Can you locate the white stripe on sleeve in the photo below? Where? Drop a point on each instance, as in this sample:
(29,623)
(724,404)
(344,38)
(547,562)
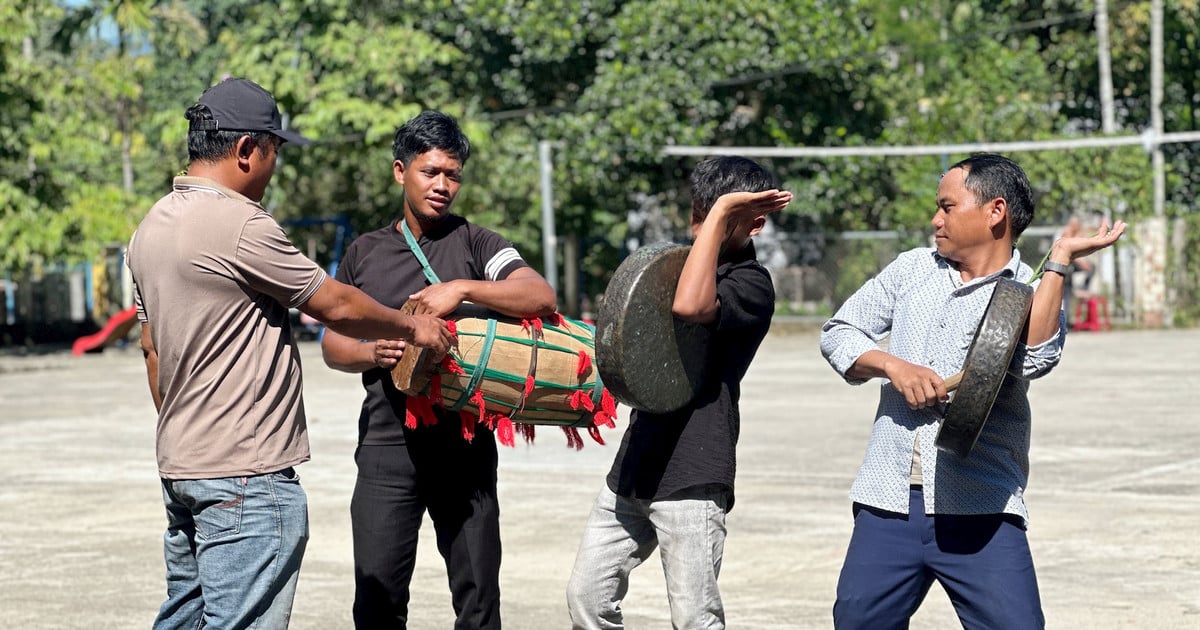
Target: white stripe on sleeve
(499,262)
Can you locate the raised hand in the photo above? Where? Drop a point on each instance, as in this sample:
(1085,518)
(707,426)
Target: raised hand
(750,205)
(1078,246)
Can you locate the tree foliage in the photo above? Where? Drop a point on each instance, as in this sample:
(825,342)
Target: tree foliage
(91,127)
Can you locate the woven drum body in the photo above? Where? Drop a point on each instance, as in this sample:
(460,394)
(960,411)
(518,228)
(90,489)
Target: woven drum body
(498,355)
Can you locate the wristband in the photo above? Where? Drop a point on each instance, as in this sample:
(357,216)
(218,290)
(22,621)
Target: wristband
(1057,268)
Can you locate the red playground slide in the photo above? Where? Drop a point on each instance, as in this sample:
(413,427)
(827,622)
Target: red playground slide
(117,327)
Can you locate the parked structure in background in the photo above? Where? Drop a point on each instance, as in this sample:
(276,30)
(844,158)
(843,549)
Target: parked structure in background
(56,303)
(62,303)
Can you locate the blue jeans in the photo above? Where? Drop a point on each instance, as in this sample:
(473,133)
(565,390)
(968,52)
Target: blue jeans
(983,563)
(622,532)
(233,548)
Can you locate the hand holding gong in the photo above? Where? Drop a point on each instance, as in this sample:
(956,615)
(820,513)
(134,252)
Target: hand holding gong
(985,367)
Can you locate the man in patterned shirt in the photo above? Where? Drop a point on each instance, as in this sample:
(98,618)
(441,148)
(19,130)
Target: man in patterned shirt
(921,514)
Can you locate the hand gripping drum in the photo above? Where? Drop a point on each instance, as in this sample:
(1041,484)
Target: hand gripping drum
(647,358)
(985,367)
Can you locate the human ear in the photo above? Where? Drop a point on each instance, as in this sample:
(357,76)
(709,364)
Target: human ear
(998,212)
(246,147)
(398,171)
(757,225)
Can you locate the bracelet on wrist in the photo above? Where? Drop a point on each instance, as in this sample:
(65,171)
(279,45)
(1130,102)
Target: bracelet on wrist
(1056,267)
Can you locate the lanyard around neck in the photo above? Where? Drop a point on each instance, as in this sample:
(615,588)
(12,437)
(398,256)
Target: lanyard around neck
(416,250)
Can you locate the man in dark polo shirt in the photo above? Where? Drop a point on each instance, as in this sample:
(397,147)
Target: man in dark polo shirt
(214,277)
(441,261)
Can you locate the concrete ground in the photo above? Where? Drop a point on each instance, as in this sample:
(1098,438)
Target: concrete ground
(1114,495)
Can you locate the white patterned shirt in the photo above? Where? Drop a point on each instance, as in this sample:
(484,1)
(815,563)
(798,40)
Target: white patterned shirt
(932,317)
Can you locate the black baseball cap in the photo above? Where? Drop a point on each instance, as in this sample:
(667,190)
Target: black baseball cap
(243,105)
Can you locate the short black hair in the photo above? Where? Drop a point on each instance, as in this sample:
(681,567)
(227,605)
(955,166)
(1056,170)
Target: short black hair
(214,145)
(427,131)
(724,174)
(990,176)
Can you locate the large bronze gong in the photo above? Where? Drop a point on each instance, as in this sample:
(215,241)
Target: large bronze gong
(976,386)
(648,359)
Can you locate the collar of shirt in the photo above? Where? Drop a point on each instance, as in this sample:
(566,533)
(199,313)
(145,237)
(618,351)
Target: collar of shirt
(185,183)
(1009,270)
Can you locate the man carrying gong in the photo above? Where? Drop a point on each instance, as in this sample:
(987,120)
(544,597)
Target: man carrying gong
(922,514)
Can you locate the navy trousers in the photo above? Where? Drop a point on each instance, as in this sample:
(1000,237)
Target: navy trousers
(983,563)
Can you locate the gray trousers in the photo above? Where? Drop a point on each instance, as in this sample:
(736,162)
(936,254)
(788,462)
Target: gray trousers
(621,533)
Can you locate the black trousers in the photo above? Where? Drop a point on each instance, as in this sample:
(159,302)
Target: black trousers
(456,482)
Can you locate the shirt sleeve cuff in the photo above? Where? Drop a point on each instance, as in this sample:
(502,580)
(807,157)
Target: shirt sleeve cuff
(842,350)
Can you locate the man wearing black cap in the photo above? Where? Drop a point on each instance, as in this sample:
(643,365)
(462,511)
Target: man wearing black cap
(215,276)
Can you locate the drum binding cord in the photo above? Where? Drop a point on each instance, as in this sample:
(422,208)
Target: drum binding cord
(483,382)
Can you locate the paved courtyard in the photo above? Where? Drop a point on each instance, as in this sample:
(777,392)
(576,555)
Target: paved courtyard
(1114,495)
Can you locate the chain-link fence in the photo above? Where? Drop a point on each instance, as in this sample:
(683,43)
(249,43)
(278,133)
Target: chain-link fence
(815,272)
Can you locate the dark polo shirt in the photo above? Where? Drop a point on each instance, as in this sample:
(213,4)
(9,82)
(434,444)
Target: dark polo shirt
(382,265)
(662,454)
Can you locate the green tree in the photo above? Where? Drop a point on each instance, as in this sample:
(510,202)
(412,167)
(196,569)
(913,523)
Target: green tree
(92,130)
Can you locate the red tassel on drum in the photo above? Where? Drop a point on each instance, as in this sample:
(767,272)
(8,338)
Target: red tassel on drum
(594,431)
(422,408)
(452,327)
(580,399)
(477,400)
(468,426)
(504,431)
(585,362)
(435,389)
(555,319)
(573,438)
(410,419)
(528,387)
(527,432)
(450,366)
(607,414)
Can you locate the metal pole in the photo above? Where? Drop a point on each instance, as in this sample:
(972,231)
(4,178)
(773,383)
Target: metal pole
(549,239)
(570,303)
(1103,56)
(1152,231)
(1156,97)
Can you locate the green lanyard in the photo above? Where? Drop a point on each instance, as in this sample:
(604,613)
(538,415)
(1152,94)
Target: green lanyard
(485,353)
(416,250)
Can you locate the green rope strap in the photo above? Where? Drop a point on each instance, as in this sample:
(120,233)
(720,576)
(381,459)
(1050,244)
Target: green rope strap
(496,402)
(508,377)
(524,341)
(598,390)
(416,250)
(484,355)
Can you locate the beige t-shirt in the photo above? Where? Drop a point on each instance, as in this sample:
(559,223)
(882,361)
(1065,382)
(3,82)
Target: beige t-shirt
(214,276)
